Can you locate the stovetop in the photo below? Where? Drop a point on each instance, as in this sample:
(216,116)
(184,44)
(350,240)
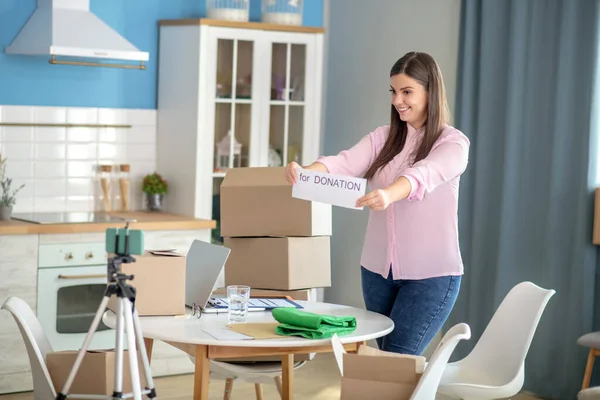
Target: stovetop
(65,217)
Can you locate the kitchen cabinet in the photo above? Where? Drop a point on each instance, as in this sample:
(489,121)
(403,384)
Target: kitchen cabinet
(234,94)
(18,277)
(71,280)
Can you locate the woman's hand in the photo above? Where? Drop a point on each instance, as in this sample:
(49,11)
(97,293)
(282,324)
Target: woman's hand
(378,199)
(290,172)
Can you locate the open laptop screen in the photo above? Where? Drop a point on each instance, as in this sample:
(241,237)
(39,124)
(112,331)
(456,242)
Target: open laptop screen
(204,263)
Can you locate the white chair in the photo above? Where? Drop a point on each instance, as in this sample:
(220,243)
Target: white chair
(591,340)
(37,345)
(590,393)
(428,384)
(495,368)
(254,372)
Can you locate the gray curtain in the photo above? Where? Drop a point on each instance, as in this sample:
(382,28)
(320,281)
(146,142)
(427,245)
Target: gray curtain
(525,86)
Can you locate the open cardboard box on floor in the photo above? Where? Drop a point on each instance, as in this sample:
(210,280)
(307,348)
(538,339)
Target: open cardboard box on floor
(257,201)
(95,374)
(376,374)
(279,263)
(159,280)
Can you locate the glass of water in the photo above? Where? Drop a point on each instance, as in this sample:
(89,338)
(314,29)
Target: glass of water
(238,297)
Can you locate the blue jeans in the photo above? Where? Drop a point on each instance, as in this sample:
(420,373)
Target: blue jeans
(418,308)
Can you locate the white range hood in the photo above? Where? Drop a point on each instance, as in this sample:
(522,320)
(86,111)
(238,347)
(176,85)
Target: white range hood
(68,29)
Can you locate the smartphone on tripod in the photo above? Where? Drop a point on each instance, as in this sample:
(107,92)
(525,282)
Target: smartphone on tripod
(121,244)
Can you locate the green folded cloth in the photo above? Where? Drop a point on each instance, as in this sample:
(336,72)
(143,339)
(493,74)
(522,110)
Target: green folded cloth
(296,322)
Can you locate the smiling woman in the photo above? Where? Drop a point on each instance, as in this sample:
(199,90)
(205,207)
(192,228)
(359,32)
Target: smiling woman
(413,166)
(418,99)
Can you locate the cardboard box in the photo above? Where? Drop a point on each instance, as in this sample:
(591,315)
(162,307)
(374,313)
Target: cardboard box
(159,280)
(95,375)
(375,374)
(258,201)
(287,263)
(303,294)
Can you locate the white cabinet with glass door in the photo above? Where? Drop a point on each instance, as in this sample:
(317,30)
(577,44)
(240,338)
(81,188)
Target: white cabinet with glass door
(292,118)
(234,94)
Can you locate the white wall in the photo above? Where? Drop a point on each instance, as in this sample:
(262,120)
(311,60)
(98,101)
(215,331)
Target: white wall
(58,166)
(364,39)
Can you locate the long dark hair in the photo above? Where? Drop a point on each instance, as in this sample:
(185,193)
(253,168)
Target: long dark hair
(422,68)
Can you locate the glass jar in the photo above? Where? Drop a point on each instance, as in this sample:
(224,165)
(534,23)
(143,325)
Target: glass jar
(124,187)
(285,12)
(104,198)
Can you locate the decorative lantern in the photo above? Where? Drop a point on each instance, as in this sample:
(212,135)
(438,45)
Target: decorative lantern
(286,12)
(232,10)
(227,149)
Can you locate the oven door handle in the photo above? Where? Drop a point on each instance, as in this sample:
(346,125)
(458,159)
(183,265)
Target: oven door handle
(92,276)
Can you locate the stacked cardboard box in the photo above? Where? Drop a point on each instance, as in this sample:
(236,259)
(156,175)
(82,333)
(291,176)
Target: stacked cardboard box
(277,242)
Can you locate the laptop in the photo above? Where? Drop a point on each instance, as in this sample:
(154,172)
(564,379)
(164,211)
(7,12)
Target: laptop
(204,263)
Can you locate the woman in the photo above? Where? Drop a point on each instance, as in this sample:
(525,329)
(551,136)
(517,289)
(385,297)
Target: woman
(411,266)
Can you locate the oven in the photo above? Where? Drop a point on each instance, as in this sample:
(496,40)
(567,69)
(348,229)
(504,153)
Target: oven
(71,284)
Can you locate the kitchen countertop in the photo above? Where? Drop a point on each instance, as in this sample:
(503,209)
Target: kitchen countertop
(151,221)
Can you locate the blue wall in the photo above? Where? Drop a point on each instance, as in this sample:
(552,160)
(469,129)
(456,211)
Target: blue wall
(31,80)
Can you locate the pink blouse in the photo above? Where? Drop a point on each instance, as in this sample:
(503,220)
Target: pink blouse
(417,236)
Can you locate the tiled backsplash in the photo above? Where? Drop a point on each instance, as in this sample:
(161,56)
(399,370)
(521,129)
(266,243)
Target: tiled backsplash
(58,165)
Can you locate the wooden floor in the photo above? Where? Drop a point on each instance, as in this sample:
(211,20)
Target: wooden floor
(318,379)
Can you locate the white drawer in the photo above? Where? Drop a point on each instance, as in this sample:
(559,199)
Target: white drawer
(68,254)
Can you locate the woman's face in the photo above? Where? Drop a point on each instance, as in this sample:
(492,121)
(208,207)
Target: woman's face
(410,100)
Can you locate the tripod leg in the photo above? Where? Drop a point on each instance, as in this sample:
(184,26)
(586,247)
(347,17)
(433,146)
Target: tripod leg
(120,328)
(133,360)
(143,354)
(88,338)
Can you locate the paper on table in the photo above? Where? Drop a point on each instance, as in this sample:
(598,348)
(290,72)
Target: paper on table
(226,334)
(257,330)
(337,190)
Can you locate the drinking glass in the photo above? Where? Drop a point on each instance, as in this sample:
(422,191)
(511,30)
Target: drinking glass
(238,297)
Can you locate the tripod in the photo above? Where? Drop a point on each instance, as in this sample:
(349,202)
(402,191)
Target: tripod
(127,317)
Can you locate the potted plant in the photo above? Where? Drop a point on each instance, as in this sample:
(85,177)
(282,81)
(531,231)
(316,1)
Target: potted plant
(155,187)
(7,196)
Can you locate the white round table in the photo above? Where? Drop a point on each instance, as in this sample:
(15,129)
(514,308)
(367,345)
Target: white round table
(187,333)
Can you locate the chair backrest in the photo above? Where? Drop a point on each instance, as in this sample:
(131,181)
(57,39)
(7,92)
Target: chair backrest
(428,384)
(37,345)
(507,337)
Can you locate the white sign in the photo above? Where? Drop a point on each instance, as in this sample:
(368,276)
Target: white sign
(337,190)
